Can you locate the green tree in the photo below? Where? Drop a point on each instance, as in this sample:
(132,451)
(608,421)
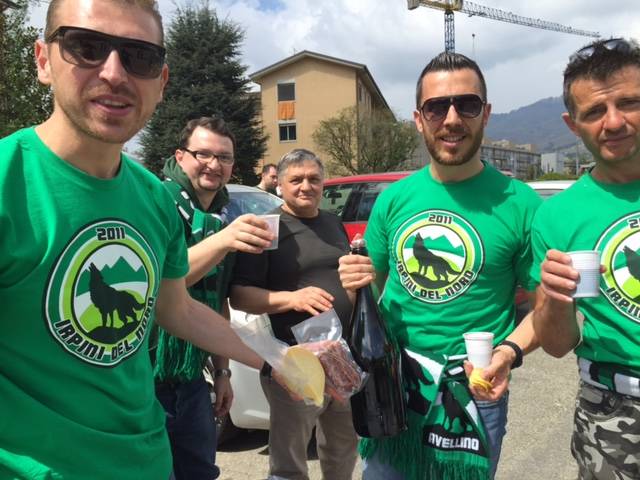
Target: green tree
(205,78)
(23,100)
(365,142)
(556,176)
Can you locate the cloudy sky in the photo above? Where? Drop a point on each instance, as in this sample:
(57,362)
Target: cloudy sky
(521,64)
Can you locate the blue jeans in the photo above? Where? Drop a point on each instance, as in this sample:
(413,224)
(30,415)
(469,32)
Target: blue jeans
(191,427)
(494,416)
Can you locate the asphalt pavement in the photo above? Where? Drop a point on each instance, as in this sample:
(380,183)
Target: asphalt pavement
(537,445)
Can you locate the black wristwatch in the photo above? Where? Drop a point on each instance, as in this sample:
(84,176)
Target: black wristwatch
(222,372)
(514,346)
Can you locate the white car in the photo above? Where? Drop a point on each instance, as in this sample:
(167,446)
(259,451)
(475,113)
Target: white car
(249,409)
(547,188)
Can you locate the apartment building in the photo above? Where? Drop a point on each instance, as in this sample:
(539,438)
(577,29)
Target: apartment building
(520,161)
(306,88)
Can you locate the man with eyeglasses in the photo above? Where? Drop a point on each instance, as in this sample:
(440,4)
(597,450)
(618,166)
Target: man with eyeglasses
(447,247)
(601,211)
(92,249)
(196,177)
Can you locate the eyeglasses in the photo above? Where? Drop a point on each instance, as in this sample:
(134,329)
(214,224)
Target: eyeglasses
(205,157)
(613,45)
(89,49)
(467,106)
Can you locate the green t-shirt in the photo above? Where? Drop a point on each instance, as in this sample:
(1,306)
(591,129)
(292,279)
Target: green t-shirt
(454,254)
(81,264)
(606,217)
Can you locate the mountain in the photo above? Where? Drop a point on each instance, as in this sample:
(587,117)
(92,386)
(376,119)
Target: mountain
(539,123)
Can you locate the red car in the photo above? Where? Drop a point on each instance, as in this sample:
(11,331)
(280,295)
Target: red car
(352,199)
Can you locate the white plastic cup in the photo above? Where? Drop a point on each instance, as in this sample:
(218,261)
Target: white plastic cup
(273,220)
(587,263)
(479,348)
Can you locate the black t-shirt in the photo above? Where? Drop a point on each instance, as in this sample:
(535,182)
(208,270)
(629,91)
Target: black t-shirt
(307,255)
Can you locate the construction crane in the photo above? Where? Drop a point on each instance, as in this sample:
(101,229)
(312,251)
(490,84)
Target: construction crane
(450,6)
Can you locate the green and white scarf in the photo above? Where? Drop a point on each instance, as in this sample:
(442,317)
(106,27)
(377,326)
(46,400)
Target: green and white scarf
(176,359)
(445,439)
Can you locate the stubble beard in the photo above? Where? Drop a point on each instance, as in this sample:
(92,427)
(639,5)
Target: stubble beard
(461,158)
(82,123)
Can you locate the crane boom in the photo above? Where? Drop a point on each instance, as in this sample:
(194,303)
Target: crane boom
(501,15)
(470,8)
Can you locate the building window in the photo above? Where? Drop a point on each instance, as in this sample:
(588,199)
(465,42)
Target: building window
(288,132)
(286,92)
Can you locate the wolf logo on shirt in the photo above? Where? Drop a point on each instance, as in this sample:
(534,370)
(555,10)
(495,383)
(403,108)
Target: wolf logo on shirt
(101,292)
(619,247)
(438,255)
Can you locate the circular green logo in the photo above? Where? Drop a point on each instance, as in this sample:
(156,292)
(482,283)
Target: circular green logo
(620,253)
(438,255)
(101,292)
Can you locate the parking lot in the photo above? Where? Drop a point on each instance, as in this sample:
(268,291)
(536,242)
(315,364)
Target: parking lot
(536,446)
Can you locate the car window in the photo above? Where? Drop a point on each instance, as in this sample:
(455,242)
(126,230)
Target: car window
(334,197)
(251,202)
(359,205)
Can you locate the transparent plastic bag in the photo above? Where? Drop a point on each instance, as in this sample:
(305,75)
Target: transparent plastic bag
(322,334)
(299,369)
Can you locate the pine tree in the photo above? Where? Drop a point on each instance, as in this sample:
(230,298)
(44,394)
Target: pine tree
(205,78)
(23,100)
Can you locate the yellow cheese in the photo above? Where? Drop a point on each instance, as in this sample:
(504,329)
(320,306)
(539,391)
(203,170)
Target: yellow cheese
(303,374)
(477,381)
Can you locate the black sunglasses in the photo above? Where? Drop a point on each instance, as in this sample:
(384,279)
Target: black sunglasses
(467,106)
(613,45)
(89,49)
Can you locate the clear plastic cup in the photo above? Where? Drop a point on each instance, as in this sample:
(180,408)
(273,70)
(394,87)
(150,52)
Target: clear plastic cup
(273,220)
(479,348)
(587,263)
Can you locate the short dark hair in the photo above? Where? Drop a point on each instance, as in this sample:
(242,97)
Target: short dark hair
(268,167)
(213,124)
(450,62)
(149,6)
(598,60)
(298,156)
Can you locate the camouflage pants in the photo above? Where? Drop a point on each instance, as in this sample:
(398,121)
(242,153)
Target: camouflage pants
(606,435)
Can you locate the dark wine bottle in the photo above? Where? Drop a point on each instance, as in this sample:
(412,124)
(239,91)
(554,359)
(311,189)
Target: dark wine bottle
(378,409)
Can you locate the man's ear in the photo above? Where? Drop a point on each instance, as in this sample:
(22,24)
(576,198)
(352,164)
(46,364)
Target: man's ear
(486,113)
(164,79)
(179,154)
(43,65)
(570,123)
(417,118)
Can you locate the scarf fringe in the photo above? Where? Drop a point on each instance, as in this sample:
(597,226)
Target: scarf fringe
(177,359)
(406,454)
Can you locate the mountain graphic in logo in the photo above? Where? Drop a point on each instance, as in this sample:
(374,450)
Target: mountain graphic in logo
(120,269)
(440,243)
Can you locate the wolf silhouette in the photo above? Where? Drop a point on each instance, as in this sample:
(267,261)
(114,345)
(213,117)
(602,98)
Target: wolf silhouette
(427,259)
(108,300)
(633,262)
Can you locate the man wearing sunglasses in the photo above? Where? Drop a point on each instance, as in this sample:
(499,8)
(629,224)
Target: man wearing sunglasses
(196,177)
(601,211)
(447,247)
(92,249)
